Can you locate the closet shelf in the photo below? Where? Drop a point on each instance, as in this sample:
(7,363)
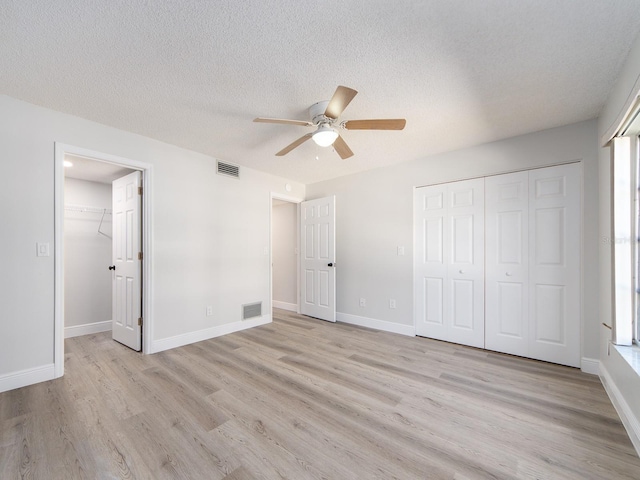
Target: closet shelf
(87,209)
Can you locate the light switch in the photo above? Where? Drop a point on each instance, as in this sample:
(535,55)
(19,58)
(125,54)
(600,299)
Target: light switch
(42,249)
(400,251)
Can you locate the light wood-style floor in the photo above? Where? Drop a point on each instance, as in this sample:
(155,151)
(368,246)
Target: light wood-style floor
(305,399)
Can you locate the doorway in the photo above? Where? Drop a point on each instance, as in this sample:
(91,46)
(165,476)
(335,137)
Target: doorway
(83,281)
(88,241)
(285,248)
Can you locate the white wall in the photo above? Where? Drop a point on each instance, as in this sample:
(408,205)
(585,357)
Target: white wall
(620,377)
(374,217)
(87,255)
(284,221)
(209,238)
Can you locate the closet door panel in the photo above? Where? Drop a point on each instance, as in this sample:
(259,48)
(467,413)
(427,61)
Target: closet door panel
(431,254)
(449,262)
(507,259)
(465,292)
(554,290)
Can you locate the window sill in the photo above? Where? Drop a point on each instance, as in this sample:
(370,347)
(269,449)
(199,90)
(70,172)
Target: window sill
(631,354)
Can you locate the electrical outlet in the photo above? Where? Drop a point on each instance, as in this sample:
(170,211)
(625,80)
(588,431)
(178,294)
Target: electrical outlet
(392,303)
(209,311)
(363,302)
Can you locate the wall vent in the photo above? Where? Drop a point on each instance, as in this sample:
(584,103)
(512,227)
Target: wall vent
(228,170)
(251,310)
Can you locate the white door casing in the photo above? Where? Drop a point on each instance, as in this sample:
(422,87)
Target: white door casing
(127,276)
(449,265)
(317,259)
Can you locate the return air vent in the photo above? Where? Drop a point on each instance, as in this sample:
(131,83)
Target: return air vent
(251,310)
(228,170)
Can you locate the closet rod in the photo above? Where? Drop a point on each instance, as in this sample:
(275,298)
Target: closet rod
(83,208)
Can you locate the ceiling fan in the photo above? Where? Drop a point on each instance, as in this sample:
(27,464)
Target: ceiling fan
(324,116)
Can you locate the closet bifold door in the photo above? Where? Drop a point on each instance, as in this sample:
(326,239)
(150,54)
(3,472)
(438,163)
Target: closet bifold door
(533,244)
(507,263)
(449,262)
(554,267)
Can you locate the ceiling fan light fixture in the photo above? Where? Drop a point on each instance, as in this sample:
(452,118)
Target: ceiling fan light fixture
(324,136)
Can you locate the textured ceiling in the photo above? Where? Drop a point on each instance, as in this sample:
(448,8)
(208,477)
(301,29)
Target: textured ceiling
(196,73)
(93,171)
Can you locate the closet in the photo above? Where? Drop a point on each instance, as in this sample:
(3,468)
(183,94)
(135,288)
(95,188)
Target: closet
(497,263)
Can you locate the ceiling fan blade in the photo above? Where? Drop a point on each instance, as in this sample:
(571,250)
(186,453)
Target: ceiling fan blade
(341,148)
(283,121)
(377,124)
(295,144)
(341,98)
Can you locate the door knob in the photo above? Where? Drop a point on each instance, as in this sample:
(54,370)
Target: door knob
(112,267)
(508,274)
(329,264)
(461,271)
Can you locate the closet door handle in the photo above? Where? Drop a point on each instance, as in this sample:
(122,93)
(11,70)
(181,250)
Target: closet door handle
(508,274)
(461,271)
(112,267)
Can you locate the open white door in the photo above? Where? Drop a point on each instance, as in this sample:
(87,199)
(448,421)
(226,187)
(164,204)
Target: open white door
(127,261)
(317,262)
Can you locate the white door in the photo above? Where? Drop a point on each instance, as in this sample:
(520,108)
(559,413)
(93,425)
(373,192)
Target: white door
(533,264)
(449,262)
(317,261)
(507,263)
(554,253)
(127,265)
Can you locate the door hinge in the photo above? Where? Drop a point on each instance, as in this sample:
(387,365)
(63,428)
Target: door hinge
(140,322)
(139,190)
(139,255)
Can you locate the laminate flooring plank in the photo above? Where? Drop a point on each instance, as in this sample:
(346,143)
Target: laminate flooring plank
(178,365)
(278,433)
(319,431)
(164,458)
(373,426)
(115,453)
(302,398)
(196,406)
(273,386)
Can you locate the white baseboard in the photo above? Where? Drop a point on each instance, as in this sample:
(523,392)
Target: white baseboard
(206,334)
(292,307)
(26,377)
(590,365)
(629,420)
(87,329)
(376,324)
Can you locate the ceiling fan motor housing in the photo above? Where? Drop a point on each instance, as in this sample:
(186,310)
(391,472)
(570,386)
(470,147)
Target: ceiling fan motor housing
(316,113)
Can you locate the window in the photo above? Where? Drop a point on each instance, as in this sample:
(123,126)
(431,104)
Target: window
(624,248)
(625,148)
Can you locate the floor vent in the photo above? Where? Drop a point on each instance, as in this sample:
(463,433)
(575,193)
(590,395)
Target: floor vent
(251,310)
(228,170)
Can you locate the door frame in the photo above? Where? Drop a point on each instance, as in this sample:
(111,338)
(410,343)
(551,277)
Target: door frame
(61,150)
(297,201)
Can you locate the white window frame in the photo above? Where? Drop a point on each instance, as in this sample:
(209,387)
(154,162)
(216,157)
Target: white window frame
(636,230)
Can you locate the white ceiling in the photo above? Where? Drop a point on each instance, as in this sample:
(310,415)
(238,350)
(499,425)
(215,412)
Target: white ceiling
(93,170)
(196,73)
